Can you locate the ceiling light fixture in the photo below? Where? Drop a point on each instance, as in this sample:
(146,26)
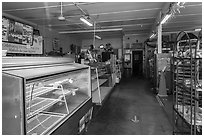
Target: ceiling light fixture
(153,35)
(61,17)
(98,37)
(198,29)
(101,46)
(86,21)
(166,17)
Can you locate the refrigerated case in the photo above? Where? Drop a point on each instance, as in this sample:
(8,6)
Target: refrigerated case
(44,95)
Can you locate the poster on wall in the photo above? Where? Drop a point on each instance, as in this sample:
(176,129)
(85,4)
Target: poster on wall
(15,33)
(5,28)
(36,48)
(119,53)
(127,57)
(55,44)
(27,35)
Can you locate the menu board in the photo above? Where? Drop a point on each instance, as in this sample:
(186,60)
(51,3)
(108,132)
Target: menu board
(5,28)
(18,38)
(16,32)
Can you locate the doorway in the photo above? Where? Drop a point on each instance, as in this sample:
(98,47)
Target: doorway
(137,60)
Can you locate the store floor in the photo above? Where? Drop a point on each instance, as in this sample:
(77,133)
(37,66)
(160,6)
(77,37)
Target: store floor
(132,109)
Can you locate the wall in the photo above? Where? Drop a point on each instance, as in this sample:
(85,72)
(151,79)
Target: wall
(138,41)
(66,40)
(48,36)
(133,38)
(116,43)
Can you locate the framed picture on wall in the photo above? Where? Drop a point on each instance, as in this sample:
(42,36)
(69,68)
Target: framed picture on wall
(127,57)
(55,44)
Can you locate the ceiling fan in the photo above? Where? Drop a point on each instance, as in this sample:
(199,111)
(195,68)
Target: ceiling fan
(61,17)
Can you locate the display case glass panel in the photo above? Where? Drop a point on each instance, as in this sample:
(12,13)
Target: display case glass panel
(42,95)
(51,99)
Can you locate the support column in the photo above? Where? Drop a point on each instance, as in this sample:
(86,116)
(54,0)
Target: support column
(94,38)
(159,38)
(159,35)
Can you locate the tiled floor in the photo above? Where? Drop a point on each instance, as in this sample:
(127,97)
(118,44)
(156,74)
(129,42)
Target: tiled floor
(132,109)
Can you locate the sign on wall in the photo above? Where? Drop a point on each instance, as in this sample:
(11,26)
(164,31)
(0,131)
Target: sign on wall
(137,46)
(18,38)
(55,44)
(36,48)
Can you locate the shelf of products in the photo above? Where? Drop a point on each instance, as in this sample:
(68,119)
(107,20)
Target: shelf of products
(118,71)
(52,94)
(187,79)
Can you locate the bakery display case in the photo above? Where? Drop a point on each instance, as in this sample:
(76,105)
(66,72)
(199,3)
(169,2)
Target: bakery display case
(101,82)
(38,99)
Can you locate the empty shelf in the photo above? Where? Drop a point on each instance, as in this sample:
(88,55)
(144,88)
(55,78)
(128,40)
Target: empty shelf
(42,123)
(99,75)
(104,93)
(94,84)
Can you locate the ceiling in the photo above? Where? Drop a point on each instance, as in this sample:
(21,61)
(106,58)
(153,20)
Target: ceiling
(135,18)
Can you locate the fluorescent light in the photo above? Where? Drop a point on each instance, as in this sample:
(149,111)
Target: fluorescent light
(197,29)
(96,36)
(167,16)
(86,21)
(152,36)
(101,46)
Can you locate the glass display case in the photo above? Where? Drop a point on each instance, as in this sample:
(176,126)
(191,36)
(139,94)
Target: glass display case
(101,82)
(38,99)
